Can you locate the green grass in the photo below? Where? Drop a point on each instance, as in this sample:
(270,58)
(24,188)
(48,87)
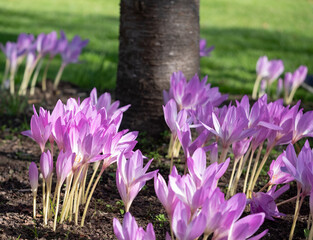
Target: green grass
(241,30)
(96,20)
(244,30)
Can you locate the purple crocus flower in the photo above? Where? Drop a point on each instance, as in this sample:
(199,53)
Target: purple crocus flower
(46,165)
(213,208)
(185,225)
(40,128)
(10,51)
(262,70)
(190,95)
(130,230)
(200,173)
(293,82)
(204,51)
(49,42)
(277,176)
(173,119)
(275,69)
(232,127)
(73,50)
(33,179)
(280,123)
(265,202)
(301,167)
(244,228)
(165,193)
(131,176)
(299,76)
(186,190)
(287,83)
(24,42)
(33,176)
(262,67)
(241,147)
(105,101)
(64,165)
(302,126)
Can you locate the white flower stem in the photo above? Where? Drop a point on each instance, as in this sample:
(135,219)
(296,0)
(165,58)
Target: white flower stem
(45,73)
(261,166)
(34,80)
(43,196)
(249,193)
(58,77)
(291,95)
(297,211)
(34,203)
(57,208)
(89,197)
(96,166)
(256,87)
(247,172)
(231,178)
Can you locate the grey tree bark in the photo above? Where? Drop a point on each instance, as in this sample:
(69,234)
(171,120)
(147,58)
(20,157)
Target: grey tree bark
(157,38)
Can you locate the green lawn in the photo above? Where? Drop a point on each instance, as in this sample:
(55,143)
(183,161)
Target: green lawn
(241,30)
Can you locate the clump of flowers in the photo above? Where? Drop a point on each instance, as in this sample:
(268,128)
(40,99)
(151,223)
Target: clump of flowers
(35,50)
(86,133)
(196,206)
(241,129)
(268,71)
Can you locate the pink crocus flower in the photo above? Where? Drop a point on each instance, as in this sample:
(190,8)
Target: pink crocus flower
(64,165)
(173,119)
(302,126)
(275,69)
(191,94)
(213,210)
(130,230)
(40,128)
(185,225)
(200,173)
(131,176)
(240,147)
(204,51)
(231,127)
(244,228)
(24,42)
(301,167)
(262,67)
(265,202)
(33,176)
(277,176)
(299,76)
(46,165)
(165,193)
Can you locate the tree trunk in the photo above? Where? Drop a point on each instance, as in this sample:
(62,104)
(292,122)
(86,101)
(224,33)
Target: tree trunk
(157,38)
